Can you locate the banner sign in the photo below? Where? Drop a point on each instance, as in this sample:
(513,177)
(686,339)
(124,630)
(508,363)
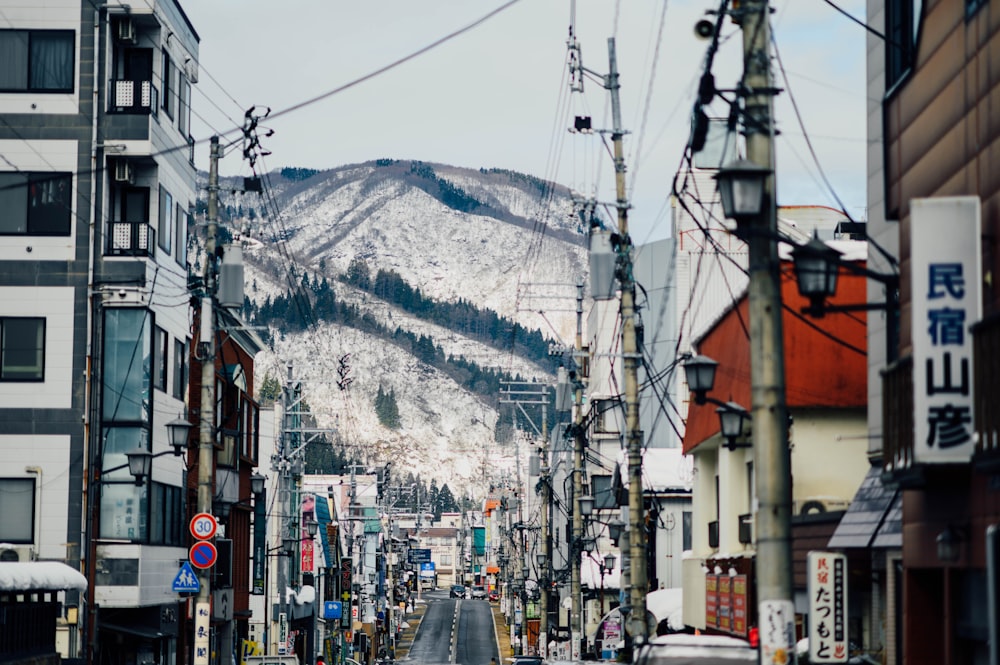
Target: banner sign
(711,601)
(946,267)
(827,581)
(259,545)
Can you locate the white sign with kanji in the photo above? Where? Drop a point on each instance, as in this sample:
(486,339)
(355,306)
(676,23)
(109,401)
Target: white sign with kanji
(202,625)
(946,270)
(827,584)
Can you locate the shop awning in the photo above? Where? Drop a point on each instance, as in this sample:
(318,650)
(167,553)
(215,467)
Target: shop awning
(870,520)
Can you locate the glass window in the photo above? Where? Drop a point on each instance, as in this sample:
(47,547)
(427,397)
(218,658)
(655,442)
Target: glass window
(160,358)
(17,519)
(168,75)
(165,510)
(127,365)
(22,349)
(37,60)
(184,107)
(686,531)
(35,203)
(123,511)
(180,369)
(163,221)
(180,229)
(902,22)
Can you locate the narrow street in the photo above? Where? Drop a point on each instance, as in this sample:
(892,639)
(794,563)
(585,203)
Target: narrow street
(454,631)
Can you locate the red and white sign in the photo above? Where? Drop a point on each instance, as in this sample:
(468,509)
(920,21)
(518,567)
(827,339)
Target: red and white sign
(827,579)
(203,526)
(203,554)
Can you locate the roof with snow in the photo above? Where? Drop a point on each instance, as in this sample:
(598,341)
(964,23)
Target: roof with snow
(663,469)
(39,576)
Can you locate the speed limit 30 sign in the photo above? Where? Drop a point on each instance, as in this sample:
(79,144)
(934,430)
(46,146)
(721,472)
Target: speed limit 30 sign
(204,526)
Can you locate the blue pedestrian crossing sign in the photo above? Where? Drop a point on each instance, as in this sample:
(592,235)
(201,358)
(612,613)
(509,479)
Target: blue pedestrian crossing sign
(186,580)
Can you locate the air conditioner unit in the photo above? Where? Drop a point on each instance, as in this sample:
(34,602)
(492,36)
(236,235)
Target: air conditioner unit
(820,504)
(13,553)
(126,31)
(123,171)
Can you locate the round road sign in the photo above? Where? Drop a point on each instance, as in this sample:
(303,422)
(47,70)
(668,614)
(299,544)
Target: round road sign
(203,554)
(203,526)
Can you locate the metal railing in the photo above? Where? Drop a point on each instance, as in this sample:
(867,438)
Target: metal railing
(131,239)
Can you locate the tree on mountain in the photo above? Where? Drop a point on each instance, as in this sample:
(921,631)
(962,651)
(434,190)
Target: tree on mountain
(358,274)
(446,502)
(386,408)
(270,390)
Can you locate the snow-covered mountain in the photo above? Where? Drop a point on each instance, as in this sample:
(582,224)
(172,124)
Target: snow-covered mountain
(496,239)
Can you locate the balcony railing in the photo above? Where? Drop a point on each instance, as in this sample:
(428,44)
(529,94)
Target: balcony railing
(131,239)
(986,382)
(129,96)
(897,422)
(713,534)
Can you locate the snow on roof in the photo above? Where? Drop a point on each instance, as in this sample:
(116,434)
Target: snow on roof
(662,469)
(39,576)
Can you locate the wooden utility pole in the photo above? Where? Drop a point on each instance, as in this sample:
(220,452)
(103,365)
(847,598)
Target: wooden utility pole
(772,459)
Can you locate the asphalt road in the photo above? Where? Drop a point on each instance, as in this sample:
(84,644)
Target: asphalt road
(455,631)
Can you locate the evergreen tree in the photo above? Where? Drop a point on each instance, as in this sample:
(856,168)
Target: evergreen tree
(270,390)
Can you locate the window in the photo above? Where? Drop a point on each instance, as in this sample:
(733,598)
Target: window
(686,523)
(604,496)
(127,367)
(163,221)
(180,369)
(165,515)
(37,60)
(17,519)
(180,229)
(22,349)
(902,22)
(160,358)
(35,203)
(168,91)
(184,107)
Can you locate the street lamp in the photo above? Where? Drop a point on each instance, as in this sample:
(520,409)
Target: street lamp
(178,430)
(609,565)
(700,373)
(732,416)
(257,483)
(741,189)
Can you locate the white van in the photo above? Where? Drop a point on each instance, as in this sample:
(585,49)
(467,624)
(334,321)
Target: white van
(271,660)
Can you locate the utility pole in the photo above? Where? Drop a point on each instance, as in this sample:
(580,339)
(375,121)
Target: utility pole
(630,352)
(206,411)
(579,442)
(772,460)
(544,584)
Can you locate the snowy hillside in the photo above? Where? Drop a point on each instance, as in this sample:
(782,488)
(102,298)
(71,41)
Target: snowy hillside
(498,240)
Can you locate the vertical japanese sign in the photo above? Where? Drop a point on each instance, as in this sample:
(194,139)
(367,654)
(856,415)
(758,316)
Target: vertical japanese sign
(827,583)
(946,270)
(725,603)
(308,513)
(711,600)
(345,590)
(202,624)
(259,545)
(740,605)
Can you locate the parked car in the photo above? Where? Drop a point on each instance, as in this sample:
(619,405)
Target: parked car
(494,596)
(479,593)
(683,649)
(526,660)
(457,591)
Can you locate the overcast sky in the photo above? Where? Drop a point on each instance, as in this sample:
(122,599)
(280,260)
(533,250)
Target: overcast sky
(497,95)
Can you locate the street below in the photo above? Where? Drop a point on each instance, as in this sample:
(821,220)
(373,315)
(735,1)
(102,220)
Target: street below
(454,631)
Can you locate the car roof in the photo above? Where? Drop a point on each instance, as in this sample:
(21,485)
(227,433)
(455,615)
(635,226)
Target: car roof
(683,648)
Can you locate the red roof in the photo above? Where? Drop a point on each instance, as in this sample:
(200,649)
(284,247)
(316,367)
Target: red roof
(825,358)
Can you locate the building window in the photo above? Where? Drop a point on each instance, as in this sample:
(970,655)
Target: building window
(168,91)
(184,107)
(123,505)
(160,358)
(166,509)
(127,366)
(973,6)
(686,523)
(17,519)
(902,22)
(604,496)
(180,229)
(36,60)
(163,221)
(445,559)
(35,203)
(180,369)
(22,349)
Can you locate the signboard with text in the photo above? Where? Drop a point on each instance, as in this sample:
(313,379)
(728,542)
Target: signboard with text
(946,270)
(739,609)
(711,600)
(418,556)
(827,583)
(724,602)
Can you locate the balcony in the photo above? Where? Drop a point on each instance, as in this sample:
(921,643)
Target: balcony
(897,425)
(986,382)
(137,97)
(131,239)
